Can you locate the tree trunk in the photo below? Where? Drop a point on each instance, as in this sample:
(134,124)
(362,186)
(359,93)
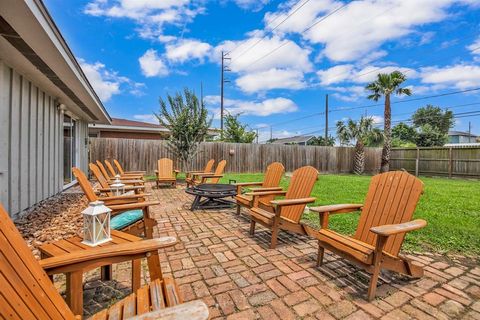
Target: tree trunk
(387,131)
(359,159)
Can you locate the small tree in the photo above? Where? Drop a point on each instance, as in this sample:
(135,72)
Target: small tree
(386,85)
(360,132)
(441,120)
(235,131)
(187,120)
(321,141)
(429,136)
(403,134)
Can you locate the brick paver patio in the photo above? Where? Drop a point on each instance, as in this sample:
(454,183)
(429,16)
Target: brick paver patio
(240,278)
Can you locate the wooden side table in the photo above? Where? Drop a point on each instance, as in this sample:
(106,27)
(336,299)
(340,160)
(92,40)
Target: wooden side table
(74,288)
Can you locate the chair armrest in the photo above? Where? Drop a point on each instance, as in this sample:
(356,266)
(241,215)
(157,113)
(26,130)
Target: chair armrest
(267,193)
(246,184)
(292,202)
(193,310)
(211,176)
(126,188)
(93,255)
(131,206)
(124,196)
(337,208)
(392,229)
(256,190)
(136,172)
(135,181)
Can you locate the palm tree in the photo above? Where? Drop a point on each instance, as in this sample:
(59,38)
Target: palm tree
(386,85)
(362,132)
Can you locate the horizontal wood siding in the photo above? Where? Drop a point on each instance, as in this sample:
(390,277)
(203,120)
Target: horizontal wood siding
(143,155)
(31,143)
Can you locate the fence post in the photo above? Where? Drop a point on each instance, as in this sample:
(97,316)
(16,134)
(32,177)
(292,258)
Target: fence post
(450,162)
(417,162)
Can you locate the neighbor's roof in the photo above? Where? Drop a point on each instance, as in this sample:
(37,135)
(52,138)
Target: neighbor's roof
(460,133)
(296,139)
(32,44)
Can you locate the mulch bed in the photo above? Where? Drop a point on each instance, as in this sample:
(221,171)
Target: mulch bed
(55,218)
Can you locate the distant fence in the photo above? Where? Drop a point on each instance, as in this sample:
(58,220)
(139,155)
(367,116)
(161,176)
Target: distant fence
(450,162)
(143,155)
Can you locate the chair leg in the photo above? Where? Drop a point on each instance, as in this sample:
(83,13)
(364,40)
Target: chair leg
(238,209)
(321,251)
(273,243)
(372,288)
(252,227)
(136,274)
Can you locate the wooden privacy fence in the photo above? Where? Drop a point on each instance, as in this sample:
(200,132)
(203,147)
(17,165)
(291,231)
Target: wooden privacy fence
(451,162)
(143,155)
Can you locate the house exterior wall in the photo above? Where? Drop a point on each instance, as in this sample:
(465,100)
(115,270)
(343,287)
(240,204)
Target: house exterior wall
(31,142)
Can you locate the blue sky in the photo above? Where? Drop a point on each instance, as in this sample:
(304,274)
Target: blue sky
(135,51)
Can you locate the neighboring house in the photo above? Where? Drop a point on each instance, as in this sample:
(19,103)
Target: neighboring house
(300,140)
(130,129)
(455,137)
(46,103)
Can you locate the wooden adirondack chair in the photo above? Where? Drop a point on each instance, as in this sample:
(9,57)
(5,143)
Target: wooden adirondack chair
(110,177)
(208,169)
(127,180)
(385,219)
(113,173)
(285,214)
(120,169)
(199,178)
(26,291)
(105,185)
(270,182)
(130,213)
(165,172)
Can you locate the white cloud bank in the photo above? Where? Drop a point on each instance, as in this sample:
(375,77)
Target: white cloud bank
(152,65)
(258,108)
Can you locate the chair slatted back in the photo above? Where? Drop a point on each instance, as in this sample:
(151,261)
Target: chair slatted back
(272,178)
(209,166)
(84,184)
(110,168)
(301,186)
(26,292)
(99,176)
(165,168)
(103,170)
(119,166)
(219,171)
(392,198)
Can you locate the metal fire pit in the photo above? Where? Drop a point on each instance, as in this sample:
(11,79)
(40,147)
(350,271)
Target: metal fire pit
(214,195)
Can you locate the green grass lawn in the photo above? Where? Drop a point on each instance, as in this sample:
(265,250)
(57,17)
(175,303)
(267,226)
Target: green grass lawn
(451,208)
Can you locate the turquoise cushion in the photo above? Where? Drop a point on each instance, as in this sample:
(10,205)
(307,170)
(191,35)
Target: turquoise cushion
(125,219)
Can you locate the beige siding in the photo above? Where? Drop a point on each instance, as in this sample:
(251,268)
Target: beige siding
(31,142)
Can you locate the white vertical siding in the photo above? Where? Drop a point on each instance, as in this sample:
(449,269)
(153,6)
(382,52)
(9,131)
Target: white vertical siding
(31,143)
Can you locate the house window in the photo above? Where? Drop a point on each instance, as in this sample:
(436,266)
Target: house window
(69,148)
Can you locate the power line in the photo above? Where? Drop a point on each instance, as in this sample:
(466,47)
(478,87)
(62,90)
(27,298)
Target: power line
(274,28)
(305,30)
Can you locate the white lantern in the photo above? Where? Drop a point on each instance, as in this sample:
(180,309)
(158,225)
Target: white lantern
(118,189)
(96,224)
(117,179)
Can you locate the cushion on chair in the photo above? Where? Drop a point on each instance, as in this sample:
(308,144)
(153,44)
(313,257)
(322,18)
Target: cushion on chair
(126,219)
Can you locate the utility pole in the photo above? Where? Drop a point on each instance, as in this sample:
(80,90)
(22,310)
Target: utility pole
(222,82)
(469,131)
(257,135)
(271,134)
(326,119)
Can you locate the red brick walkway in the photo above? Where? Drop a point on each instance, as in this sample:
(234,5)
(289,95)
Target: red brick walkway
(240,278)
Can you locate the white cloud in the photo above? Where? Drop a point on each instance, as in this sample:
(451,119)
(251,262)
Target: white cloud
(107,83)
(152,64)
(150,15)
(254,5)
(362,26)
(474,48)
(187,49)
(349,94)
(270,79)
(258,108)
(150,118)
(461,76)
(350,73)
